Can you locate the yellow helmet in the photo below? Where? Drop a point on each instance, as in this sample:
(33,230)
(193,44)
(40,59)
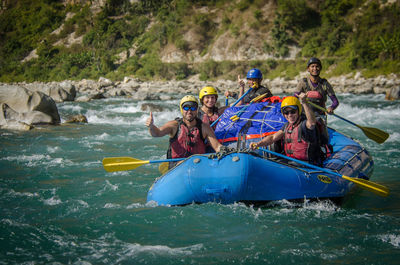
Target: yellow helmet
(207,90)
(291,101)
(187,99)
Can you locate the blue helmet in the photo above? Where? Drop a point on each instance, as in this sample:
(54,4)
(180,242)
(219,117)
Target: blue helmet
(254,73)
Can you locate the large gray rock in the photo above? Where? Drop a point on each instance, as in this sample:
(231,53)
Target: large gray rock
(30,107)
(393,93)
(7,120)
(59,92)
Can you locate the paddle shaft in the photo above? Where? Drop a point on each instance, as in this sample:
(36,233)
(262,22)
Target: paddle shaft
(375,134)
(112,164)
(234,104)
(300,162)
(366,184)
(325,110)
(167,160)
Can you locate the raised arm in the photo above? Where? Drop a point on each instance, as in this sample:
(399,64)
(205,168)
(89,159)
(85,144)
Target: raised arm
(311,121)
(241,90)
(168,128)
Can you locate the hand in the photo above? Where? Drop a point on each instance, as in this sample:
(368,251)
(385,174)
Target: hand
(150,120)
(330,110)
(253,146)
(228,94)
(302,97)
(241,82)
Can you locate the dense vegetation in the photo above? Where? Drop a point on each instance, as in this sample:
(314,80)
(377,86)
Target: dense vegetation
(349,36)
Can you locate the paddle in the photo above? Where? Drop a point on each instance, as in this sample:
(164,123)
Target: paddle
(234,104)
(363,183)
(375,134)
(112,164)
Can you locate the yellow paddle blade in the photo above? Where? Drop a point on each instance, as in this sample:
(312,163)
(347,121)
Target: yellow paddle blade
(375,134)
(112,164)
(369,185)
(163,167)
(260,97)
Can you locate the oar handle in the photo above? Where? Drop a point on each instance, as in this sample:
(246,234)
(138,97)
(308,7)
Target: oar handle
(234,104)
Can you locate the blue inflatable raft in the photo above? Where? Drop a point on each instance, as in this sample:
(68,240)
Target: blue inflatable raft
(254,177)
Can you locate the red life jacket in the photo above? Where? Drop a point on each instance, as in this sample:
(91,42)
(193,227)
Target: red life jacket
(209,119)
(317,95)
(186,142)
(294,145)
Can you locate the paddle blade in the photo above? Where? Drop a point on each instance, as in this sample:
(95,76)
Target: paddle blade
(375,134)
(369,185)
(260,97)
(163,167)
(112,164)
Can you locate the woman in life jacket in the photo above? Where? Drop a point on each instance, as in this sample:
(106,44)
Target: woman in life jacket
(254,78)
(299,135)
(209,112)
(187,134)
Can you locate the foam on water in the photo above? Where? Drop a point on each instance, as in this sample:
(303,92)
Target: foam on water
(393,239)
(55,200)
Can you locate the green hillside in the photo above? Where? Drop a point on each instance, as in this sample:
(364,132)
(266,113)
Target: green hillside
(160,39)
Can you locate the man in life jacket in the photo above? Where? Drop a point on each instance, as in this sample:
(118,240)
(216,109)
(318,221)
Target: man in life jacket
(299,135)
(317,89)
(254,78)
(187,135)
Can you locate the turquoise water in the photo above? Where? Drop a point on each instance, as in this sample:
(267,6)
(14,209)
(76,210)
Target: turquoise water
(59,206)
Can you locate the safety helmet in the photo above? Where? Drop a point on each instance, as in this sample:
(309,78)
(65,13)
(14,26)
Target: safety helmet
(187,99)
(314,60)
(291,101)
(254,73)
(207,90)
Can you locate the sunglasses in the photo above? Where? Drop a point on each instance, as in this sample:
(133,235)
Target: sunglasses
(287,112)
(187,108)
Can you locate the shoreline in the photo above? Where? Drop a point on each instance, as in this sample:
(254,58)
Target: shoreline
(27,104)
(159,89)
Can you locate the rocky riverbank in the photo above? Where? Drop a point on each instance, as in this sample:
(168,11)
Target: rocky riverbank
(24,105)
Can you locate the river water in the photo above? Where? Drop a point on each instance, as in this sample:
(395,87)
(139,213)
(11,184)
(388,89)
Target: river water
(59,206)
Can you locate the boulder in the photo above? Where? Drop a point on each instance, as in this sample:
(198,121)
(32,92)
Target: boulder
(31,107)
(393,93)
(79,118)
(59,92)
(151,107)
(89,97)
(104,82)
(7,122)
